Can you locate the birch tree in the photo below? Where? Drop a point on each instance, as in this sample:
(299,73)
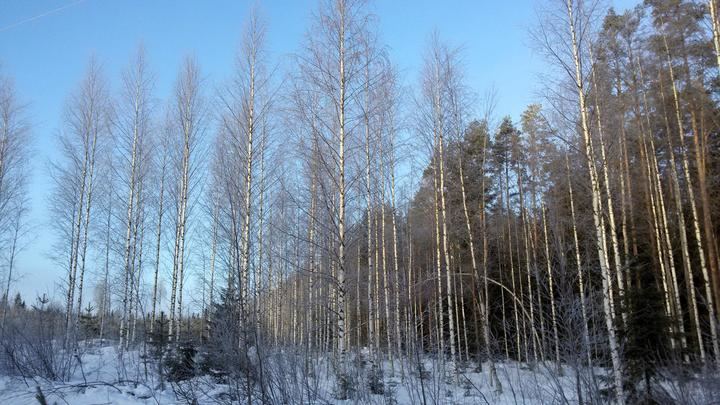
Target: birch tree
(331,68)
(433,104)
(133,126)
(246,102)
(566,47)
(189,113)
(86,127)
(14,175)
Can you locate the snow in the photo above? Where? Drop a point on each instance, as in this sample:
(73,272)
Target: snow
(104,379)
(99,380)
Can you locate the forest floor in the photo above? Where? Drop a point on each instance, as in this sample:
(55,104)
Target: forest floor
(101,378)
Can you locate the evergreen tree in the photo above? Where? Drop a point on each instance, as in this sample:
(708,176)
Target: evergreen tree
(646,342)
(220,355)
(18,303)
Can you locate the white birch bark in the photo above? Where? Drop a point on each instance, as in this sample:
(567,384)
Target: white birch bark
(595,193)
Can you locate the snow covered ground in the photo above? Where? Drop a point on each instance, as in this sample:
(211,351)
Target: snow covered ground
(101,378)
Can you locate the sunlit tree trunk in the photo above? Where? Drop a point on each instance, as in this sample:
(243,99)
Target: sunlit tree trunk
(715,29)
(596,208)
(653,168)
(689,277)
(439,317)
(608,196)
(693,209)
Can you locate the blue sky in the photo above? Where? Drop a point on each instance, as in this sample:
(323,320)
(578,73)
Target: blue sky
(47,56)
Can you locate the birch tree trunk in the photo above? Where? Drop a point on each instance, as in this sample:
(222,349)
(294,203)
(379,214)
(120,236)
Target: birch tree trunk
(105,293)
(446,253)
(608,196)
(133,126)
(158,240)
(715,29)
(595,194)
(695,220)
(687,266)
(189,118)
(87,120)
(342,100)
(580,273)
(86,227)
(552,290)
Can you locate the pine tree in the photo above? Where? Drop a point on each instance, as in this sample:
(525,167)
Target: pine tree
(647,342)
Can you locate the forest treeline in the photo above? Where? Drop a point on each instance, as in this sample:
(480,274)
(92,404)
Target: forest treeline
(336,210)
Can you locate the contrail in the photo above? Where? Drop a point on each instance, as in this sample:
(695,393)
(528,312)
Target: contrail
(45,14)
